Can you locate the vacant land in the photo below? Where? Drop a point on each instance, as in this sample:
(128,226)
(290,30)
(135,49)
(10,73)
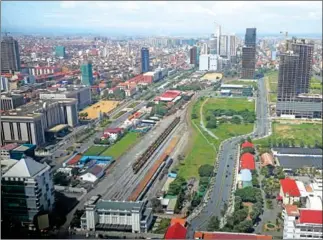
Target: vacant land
(271,79)
(121,146)
(242,82)
(237,104)
(102,106)
(307,134)
(315,86)
(203,147)
(95,150)
(212,76)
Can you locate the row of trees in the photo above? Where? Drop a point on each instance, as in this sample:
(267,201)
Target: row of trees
(289,142)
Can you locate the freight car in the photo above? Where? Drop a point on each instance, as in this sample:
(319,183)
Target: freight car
(138,164)
(151,175)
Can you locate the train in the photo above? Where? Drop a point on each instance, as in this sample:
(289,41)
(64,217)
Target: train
(153,172)
(139,163)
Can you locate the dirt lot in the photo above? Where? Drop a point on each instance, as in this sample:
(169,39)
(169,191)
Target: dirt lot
(212,76)
(103,106)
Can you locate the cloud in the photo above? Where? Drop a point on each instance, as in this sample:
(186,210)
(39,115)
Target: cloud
(68,4)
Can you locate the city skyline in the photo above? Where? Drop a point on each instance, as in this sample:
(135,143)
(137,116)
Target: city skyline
(161,18)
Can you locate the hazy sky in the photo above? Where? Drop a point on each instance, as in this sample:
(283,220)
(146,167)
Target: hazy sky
(161,17)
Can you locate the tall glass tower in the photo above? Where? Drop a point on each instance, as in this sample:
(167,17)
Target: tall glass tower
(144,60)
(87,74)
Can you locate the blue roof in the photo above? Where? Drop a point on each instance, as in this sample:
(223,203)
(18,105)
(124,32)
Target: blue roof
(97,158)
(172,175)
(245,175)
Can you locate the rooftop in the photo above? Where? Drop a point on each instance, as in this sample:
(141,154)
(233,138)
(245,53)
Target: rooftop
(247,144)
(26,167)
(176,231)
(118,205)
(311,216)
(290,187)
(9,147)
(247,161)
(299,151)
(230,235)
(291,210)
(295,162)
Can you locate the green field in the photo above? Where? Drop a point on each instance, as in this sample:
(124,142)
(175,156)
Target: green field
(241,82)
(272,81)
(95,150)
(121,146)
(305,133)
(315,86)
(203,147)
(134,104)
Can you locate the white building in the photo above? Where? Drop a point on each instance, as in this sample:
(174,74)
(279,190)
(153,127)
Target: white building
(224,46)
(204,49)
(93,174)
(302,223)
(29,122)
(80,92)
(213,62)
(27,188)
(114,215)
(5,86)
(204,62)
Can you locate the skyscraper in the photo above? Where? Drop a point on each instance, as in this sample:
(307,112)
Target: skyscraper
(87,74)
(232,46)
(250,37)
(286,89)
(304,69)
(193,55)
(249,54)
(10,57)
(224,46)
(205,49)
(60,51)
(144,60)
(218,36)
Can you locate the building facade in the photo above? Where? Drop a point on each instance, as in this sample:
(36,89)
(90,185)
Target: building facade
(60,51)
(5,86)
(29,123)
(249,55)
(26,189)
(11,101)
(80,92)
(114,215)
(144,60)
(86,73)
(10,57)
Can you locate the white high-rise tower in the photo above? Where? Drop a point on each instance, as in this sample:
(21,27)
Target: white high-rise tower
(218,35)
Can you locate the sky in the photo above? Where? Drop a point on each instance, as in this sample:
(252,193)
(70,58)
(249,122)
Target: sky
(161,17)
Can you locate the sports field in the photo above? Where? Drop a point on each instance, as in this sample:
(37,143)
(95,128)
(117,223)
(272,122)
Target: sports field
(212,76)
(103,106)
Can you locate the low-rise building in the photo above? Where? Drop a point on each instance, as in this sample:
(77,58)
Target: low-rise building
(302,223)
(93,174)
(289,191)
(245,178)
(11,101)
(115,215)
(238,90)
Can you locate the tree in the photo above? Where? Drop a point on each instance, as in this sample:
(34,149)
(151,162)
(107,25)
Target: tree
(176,186)
(212,123)
(248,150)
(205,170)
(249,194)
(245,226)
(194,116)
(236,120)
(278,171)
(249,139)
(61,178)
(150,104)
(240,215)
(214,224)
(156,205)
(75,171)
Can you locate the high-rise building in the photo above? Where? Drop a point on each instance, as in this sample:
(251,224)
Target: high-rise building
(60,51)
(87,74)
(232,45)
(286,89)
(10,57)
(304,70)
(26,189)
(248,62)
(213,44)
(193,55)
(144,60)
(249,55)
(210,62)
(250,37)
(218,36)
(205,49)
(224,44)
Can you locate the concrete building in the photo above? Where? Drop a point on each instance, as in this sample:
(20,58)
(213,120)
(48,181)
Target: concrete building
(80,92)
(86,73)
(10,57)
(204,63)
(213,62)
(145,60)
(193,56)
(249,54)
(26,189)
(210,62)
(224,41)
(5,86)
(60,51)
(114,215)
(237,90)
(29,123)
(11,101)
(302,223)
(232,46)
(205,49)
(289,192)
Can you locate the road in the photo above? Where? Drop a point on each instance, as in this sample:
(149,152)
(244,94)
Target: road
(220,194)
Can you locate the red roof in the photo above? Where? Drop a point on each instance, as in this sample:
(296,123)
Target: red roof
(311,216)
(74,160)
(9,146)
(247,161)
(171,94)
(113,130)
(289,186)
(227,235)
(176,231)
(247,144)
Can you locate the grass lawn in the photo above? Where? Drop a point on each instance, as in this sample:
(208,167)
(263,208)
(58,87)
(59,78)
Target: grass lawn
(95,150)
(315,86)
(241,82)
(271,79)
(237,104)
(121,146)
(202,147)
(134,104)
(308,133)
